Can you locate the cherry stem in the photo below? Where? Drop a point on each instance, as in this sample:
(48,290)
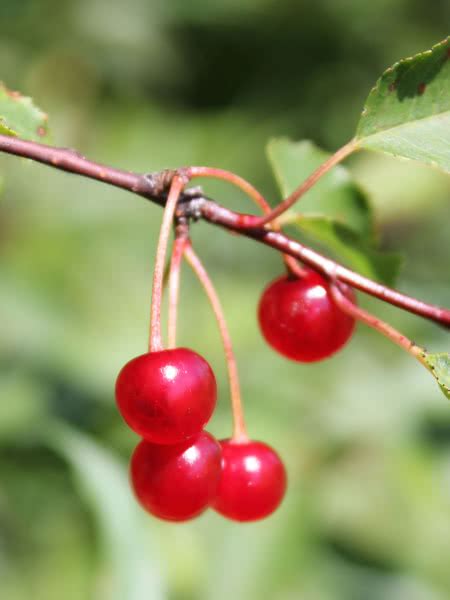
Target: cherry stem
(155,339)
(174,288)
(239,428)
(291,263)
(336,158)
(382,327)
(235,180)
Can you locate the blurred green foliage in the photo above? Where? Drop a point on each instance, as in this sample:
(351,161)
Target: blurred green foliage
(149,84)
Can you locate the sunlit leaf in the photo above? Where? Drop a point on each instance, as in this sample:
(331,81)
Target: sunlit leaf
(407,113)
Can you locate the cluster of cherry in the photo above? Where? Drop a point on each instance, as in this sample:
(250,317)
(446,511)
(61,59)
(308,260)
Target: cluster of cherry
(167,397)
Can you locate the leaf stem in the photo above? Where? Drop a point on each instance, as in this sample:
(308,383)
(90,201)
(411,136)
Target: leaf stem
(155,337)
(239,428)
(336,158)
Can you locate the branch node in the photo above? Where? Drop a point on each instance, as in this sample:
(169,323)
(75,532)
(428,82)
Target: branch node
(193,192)
(160,181)
(192,209)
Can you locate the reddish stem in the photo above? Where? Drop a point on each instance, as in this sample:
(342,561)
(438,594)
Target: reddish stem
(382,327)
(219,215)
(155,338)
(235,180)
(65,159)
(174,287)
(239,429)
(152,188)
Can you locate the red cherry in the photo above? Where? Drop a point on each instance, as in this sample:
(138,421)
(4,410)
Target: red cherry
(252,483)
(178,482)
(167,397)
(299,318)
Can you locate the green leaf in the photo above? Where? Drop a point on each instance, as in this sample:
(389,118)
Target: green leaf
(132,569)
(351,247)
(334,195)
(407,113)
(20,117)
(335,212)
(439,366)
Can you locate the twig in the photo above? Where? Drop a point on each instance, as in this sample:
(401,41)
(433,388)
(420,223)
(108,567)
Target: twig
(219,215)
(153,187)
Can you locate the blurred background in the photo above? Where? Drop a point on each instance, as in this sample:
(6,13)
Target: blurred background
(149,84)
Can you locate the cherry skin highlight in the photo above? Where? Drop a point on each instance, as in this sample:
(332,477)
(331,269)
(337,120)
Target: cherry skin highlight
(166,397)
(252,483)
(176,482)
(300,320)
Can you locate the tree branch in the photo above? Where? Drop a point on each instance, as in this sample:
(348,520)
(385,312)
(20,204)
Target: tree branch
(64,159)
(194,205)
(228,219)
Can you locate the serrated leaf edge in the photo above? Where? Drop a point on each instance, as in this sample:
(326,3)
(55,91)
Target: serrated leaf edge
(444,387)
(26,101)
(386,73)
(347,178)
